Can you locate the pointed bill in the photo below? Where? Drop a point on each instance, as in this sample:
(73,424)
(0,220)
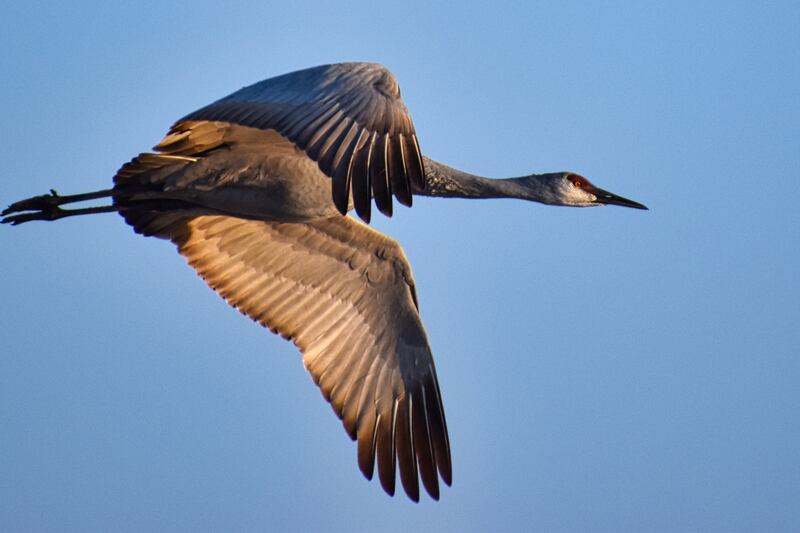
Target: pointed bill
(607,198)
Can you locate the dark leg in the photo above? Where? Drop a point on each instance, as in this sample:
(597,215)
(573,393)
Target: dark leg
(46,207)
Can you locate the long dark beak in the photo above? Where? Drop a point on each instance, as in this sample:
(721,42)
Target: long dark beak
(605,197)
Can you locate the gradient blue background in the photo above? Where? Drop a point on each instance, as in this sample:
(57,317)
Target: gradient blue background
(602,369)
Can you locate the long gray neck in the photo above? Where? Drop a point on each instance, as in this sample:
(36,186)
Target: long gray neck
(442,180)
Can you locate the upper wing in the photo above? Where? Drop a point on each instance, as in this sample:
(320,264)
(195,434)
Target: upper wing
(348,117)
(343,293)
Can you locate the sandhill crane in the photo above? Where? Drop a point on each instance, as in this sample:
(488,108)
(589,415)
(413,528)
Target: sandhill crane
(253,188)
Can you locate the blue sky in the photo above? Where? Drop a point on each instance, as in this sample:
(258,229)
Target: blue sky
(602,369)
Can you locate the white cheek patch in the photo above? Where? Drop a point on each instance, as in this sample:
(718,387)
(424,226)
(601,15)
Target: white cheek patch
(580,197)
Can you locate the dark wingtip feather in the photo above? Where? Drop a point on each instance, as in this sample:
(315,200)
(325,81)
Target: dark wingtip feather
(381,186)
(340,189)
(438,427)
(387,454)
(406,454)
(426,457)
(364,210)
(366,448)
(413,160)
(397,171)
(360,176)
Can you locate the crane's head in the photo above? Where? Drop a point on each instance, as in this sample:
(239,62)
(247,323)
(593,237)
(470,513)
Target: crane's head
(570,189)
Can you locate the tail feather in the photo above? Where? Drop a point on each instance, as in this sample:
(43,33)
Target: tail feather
(142,174)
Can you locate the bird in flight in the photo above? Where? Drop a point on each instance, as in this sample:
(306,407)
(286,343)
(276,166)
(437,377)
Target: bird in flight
(254,190)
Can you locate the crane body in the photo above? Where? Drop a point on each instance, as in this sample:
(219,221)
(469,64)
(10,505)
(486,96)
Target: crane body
(254,190)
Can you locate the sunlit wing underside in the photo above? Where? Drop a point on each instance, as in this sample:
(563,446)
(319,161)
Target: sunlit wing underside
(343,293)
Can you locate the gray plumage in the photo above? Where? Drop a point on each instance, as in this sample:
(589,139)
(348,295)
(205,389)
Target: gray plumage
(252,189)
(348,117)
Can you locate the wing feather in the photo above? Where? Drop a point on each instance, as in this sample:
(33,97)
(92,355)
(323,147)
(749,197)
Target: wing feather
(424,447)
(359,175)
(404,442)
(395,164)
(367,443)
(381,186)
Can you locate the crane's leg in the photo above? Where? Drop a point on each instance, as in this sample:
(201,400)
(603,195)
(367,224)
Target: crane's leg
(47,207)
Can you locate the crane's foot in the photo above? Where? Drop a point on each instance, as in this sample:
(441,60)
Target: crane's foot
(45,207)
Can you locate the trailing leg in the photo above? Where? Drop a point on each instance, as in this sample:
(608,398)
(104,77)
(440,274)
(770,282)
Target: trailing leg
(47,207)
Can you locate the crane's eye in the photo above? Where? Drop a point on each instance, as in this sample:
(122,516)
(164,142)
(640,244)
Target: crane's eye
(577,181)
